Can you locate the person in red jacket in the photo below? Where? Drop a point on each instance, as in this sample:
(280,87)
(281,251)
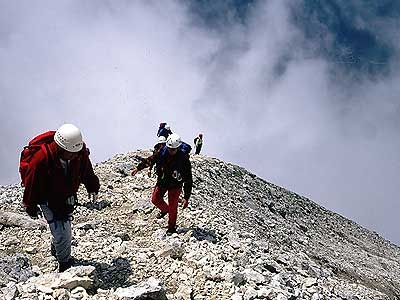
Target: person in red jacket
(174,171)
(52,182)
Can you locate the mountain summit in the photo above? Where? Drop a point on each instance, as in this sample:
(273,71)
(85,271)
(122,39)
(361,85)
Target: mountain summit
(240,238)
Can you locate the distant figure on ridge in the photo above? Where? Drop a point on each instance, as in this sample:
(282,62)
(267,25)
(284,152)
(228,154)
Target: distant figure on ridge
(52,167)
(198,143)
(174,171)
(160,128)
(165,131)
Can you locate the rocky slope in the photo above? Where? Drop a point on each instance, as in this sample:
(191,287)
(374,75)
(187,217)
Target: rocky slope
(240,238)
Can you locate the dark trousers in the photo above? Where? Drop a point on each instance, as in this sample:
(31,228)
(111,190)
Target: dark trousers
(198,149)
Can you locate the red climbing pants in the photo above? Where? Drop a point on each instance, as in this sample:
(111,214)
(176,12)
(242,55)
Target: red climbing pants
(172,207)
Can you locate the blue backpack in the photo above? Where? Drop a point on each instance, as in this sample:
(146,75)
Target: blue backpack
(160,128)
(185,148)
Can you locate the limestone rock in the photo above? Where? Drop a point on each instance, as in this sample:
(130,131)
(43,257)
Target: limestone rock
(152,289)
(241,237)
(20,220)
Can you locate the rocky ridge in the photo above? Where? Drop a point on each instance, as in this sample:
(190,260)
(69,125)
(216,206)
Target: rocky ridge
(240,238)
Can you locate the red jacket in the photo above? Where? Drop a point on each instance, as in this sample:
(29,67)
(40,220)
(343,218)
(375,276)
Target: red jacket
(47,182)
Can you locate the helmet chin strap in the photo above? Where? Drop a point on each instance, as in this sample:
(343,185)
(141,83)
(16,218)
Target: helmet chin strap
(65,155)
(59,150)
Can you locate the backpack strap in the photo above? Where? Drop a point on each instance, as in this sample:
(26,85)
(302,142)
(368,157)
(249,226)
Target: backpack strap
(162,161)
(46,150)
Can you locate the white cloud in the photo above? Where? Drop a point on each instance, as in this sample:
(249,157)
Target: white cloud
(117,69)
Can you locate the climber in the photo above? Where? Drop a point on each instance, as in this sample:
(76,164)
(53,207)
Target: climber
(174,171)
(165,131)
(198,143)
(51,181)
(160,128)
(157,148)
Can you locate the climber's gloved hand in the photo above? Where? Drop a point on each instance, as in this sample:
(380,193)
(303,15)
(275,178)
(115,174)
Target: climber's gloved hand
(134,171)
(32,211)
(93,196)
(184,202)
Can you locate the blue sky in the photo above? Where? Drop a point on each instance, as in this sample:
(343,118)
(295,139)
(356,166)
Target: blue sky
(302,93)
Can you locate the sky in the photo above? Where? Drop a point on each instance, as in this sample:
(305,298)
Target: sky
(303,94)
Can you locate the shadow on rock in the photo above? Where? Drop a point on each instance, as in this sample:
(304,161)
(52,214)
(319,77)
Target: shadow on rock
(98,205)
(109,276)
(15,268)
(202,234)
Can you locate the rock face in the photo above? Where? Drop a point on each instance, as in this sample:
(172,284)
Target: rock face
(240,238)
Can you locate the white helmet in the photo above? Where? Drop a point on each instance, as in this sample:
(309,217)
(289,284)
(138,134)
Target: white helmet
(161,140)
(69,138)
(167,127)
(174,141)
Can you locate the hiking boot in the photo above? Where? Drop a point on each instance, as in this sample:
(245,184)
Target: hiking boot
(62,266)
(161,215)
(171,231)
(53,250)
